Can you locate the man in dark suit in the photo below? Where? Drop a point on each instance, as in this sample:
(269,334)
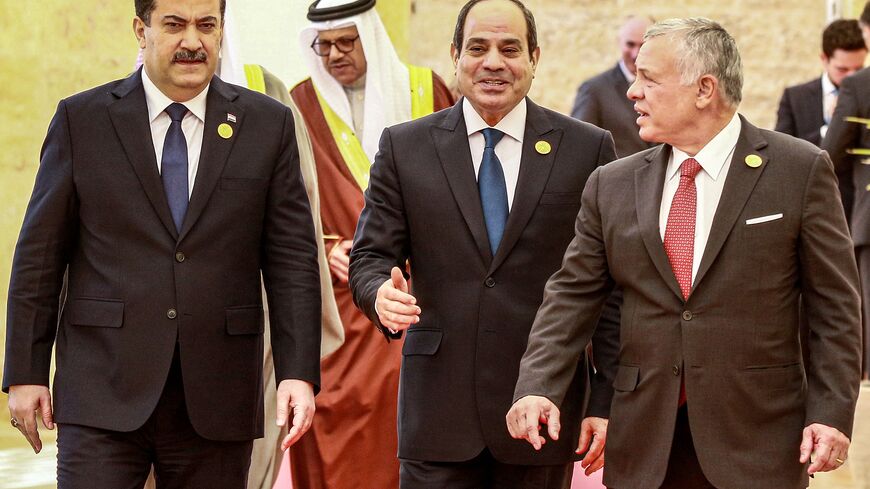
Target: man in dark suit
(601,100)
(848,143)
(805,110)
(164,196)
(714,236)
(481,199)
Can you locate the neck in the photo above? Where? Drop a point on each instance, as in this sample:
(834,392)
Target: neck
(705,129)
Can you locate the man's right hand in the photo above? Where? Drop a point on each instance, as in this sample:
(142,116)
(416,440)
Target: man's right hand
(339,260)
(24,402)
(397,309)
(526,416)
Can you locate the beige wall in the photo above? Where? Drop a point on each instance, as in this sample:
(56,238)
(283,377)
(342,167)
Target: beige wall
(779,41)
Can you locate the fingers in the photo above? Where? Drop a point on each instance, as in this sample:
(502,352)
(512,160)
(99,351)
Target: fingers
(25,401)
(524,418)
(31,431)
(303,416)
(553,424)
(396,309)
(829,448)
(339,260)
(283,402)
(593,439)
(46,412)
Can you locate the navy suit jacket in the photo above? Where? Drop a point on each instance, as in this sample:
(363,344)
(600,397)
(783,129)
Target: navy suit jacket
(800,111)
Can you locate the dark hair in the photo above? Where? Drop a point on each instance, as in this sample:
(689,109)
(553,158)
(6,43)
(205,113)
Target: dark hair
(531,30)
(865,15)
(145,7)
(842,34)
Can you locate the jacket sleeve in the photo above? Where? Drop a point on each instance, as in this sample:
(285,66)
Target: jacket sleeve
(47,237)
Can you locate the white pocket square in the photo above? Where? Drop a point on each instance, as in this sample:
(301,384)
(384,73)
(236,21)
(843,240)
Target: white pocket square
(759,220)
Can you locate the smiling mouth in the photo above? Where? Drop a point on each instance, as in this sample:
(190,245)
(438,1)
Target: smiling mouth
(641,113)
(492,83)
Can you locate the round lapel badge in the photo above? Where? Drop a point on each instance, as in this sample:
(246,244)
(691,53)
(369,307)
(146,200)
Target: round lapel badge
(753,161)
(542,147)
(225,130)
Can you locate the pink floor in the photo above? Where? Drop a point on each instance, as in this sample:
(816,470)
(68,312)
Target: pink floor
(580,480)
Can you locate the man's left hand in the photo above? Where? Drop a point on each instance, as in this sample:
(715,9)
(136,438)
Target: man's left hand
(593,437)
(296,396)
(827,447)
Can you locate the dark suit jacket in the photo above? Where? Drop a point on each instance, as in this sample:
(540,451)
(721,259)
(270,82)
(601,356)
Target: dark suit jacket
(852,170)
(461,361)
(602,101)
(801,111)
(735,341)
(137,287)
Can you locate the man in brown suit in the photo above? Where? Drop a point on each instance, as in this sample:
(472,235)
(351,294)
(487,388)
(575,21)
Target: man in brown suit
(713,237)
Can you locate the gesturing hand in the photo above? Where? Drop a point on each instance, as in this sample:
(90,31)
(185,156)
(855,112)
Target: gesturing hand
(526,415)
(397,309)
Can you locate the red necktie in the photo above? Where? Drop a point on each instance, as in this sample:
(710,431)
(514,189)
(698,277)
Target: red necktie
(680,234)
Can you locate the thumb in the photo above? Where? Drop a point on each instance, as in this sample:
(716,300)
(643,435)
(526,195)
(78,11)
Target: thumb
(45,411)
(585,435)
(398,279)
(553,425)
(806,445)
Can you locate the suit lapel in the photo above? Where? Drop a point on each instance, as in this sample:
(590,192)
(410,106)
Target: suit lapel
(816,104)
(649,182)
(620,84)
(534,173)
(129,115)
(215,149)
(739,184)
(451,143)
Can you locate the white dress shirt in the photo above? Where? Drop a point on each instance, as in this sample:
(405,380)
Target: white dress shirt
(629,76)
(509,150)
(715,159)
(192,125)
(829,102)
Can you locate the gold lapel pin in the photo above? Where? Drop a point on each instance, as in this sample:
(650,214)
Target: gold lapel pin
(225,130)
(753,161)
(543,147)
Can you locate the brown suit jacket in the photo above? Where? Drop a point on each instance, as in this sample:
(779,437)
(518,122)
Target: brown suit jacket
(735,340)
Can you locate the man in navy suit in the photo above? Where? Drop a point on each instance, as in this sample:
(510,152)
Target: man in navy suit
(164,197)
(805,110)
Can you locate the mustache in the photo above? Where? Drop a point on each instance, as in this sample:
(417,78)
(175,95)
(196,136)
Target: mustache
(187,55)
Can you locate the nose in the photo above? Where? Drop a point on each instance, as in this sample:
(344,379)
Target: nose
(634,91)
(493,60)
(334,53)
(191,39)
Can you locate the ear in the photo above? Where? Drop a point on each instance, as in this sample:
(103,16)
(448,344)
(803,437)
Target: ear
(708,91)
(454,54)
(139,31)
(824,58)
(536,55)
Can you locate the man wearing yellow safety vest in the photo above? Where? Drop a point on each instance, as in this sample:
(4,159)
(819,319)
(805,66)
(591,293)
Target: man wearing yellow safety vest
(357,87)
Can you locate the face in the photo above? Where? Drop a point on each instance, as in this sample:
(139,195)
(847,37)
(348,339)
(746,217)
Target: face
(630,40)
(666,108)
(494,69)
(181,46)
(843,63)
(346,68)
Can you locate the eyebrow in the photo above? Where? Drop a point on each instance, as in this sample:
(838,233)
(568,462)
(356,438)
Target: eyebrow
(176,18)
(481,40)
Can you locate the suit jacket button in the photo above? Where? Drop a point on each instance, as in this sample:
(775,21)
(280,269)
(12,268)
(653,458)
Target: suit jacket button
(489,282)
(172,314)
(676,370)
(687,315)
(179,257)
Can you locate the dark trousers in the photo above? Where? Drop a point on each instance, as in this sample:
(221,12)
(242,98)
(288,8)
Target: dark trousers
(93,458)
(684,470)
(482,472)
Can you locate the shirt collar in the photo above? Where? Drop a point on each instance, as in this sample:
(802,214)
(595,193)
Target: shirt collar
(513,124)
(714,154)
(828,86)
(625,72)
(158,101)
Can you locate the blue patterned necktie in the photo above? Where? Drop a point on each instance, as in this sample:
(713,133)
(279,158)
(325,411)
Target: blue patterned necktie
(493,191)
(174,165)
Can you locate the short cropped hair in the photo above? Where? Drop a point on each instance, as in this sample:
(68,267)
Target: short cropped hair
(531,29)
(842,34)
(145,7)
(704,48)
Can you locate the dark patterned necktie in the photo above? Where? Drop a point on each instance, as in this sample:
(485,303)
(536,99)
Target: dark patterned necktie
(174,165)
(493,191)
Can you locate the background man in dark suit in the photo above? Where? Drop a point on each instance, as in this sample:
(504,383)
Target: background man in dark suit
(713,236)
(848,143)
(481,198)
(164,196)
(805,110)
(601,100)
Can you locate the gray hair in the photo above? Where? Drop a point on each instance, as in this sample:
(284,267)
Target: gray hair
(704,48)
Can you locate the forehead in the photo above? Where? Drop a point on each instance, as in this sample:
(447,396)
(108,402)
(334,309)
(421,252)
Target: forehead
(187,8)
(332,34)
(497,19)
(656,55)
(850,57)
(633,30)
